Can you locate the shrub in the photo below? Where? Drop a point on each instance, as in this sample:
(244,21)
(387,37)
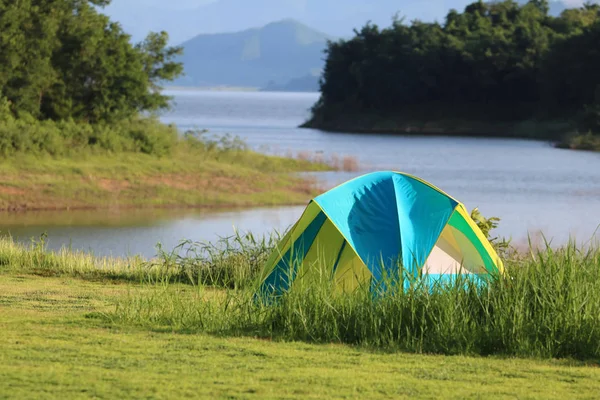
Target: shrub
(27,135)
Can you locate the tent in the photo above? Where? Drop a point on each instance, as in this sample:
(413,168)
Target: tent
(374,226)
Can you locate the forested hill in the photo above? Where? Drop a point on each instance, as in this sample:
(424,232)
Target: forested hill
(481,71)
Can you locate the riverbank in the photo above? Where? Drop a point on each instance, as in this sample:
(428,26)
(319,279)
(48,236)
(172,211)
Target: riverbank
(557,132)
(188,177)
(525,313)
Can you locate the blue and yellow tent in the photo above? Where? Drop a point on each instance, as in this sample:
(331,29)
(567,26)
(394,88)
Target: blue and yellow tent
(367,228)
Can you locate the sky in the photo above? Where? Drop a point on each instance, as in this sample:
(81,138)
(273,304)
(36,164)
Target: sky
(184,19)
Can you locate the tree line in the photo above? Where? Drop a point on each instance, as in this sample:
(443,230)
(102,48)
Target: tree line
(64,62)
(513,58)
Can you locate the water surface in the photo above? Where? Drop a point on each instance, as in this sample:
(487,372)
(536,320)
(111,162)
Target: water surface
(529,184)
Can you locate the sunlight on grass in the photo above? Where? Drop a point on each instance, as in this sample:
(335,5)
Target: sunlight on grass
(547,305)
(54,345)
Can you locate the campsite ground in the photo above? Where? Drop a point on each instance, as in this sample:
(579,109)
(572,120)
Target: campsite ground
(55,344)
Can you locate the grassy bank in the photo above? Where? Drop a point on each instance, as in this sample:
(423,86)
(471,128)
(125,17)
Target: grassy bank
(546,306)
(199,174)
(230,263)
(54,346)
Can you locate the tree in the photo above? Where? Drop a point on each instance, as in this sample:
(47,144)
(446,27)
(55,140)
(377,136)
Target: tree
(502,58)
(62,59)
(159,67)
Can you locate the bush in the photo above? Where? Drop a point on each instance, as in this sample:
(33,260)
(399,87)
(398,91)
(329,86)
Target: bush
(588,141)
(26,134)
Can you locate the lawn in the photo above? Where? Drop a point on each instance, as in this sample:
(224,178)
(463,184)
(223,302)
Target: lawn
(54,346)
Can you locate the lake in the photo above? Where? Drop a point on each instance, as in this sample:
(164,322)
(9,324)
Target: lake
(530,185)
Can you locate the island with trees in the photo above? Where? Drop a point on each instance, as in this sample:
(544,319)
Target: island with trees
(495,69)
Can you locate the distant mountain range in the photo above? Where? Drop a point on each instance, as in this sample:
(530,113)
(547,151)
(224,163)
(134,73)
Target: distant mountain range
(279,56)
(184,19)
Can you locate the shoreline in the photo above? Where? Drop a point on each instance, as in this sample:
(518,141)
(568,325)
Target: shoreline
(557,133)
(526,129)
(295,195)
(187,179)
(126,207)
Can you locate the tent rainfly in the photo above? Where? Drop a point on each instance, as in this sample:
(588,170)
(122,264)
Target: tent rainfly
(373,225)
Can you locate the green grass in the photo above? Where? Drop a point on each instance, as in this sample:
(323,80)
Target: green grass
(195,174)
(547,305)
(53,347)
(232,262)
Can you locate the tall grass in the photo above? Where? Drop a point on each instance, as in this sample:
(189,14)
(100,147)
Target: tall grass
(587,141)
(36,259)
(231,262)
(547,305)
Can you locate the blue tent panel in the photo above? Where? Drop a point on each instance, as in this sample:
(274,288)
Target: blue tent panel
(423,212)
(364,211)
(388,218)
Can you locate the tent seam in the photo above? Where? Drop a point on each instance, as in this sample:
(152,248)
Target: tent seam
(344,236)
(437,189)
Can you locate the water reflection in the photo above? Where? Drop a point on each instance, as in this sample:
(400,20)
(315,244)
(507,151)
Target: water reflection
(137,232)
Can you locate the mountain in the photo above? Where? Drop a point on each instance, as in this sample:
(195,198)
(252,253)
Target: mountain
(276,53)
(184,19)
(335,17)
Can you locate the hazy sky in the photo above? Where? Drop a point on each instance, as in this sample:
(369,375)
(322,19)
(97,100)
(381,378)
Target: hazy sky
(184,19)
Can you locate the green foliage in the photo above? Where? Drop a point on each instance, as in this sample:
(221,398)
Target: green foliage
(547,305)
(62,60)
(215,144)
(232,262)
(590,117)
(588,141)
(487,225)
(501,60)
(68,137)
